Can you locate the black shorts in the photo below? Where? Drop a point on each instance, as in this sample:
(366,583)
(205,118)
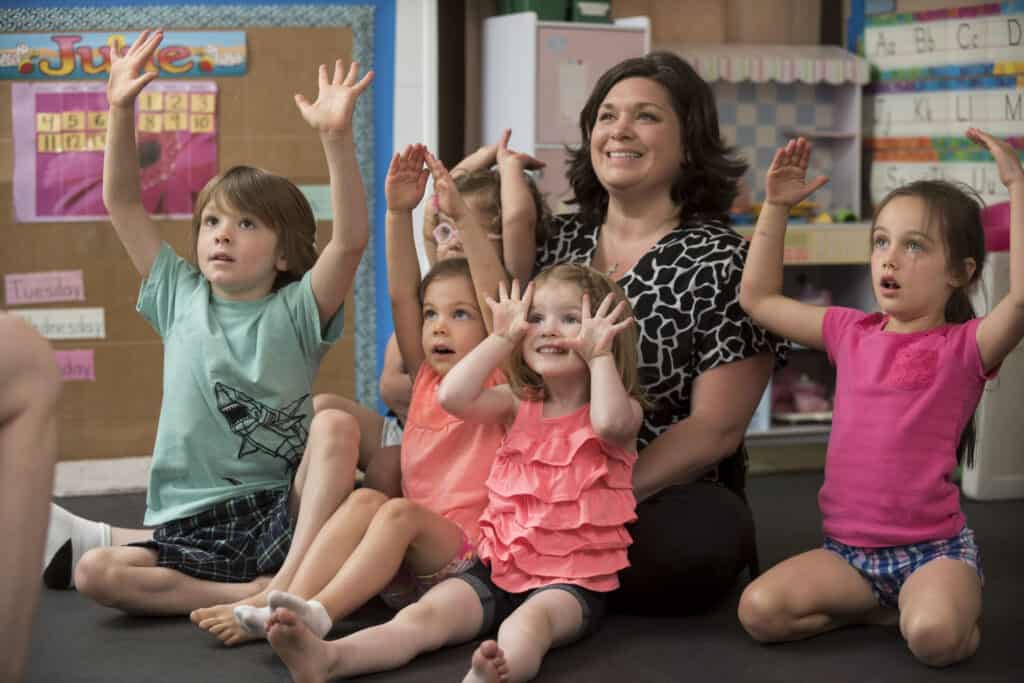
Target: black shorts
(498,603)
(234,541)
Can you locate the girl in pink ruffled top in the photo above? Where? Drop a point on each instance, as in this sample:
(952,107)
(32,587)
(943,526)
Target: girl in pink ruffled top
(552,537)
(897,548)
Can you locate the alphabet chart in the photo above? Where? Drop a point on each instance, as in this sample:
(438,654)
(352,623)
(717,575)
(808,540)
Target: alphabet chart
(60,134)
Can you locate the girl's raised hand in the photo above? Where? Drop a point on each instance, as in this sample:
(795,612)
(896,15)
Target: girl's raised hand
(504,155)
(407,179)
(597,331)
(1007,158)
(446,196)
(786,183)
(510,312)
(331,114)
(128,75)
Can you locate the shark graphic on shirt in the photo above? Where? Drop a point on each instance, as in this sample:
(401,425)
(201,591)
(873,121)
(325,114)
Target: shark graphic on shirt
(278,433)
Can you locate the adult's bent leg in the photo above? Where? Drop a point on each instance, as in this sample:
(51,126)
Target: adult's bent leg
(29,390)
(690,544)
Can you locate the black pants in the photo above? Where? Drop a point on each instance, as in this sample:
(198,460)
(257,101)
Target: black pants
(690,544)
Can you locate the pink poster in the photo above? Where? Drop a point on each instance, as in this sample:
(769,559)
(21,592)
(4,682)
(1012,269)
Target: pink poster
(60,134)
(77,365)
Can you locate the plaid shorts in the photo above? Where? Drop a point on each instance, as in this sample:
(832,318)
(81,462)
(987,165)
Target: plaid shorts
(887,569)
(406,588)
(233,542)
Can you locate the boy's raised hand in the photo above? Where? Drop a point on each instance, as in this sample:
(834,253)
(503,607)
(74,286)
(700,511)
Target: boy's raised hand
(128,75)
(1007,158)
(407,179)
(509,312)
(598,331)
(786,183)
(331,114)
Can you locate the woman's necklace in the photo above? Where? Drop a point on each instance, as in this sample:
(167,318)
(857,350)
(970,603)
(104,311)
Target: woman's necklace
(647,245)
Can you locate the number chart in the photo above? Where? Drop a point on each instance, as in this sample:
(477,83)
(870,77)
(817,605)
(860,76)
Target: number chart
(60,133)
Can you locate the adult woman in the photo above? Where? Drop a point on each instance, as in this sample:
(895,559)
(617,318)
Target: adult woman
(653,182)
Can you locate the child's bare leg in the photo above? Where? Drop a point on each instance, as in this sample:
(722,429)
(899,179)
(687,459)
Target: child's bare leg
(324,479)
(371,423)
(448,614)
(940,606)
(400,531)
(329,552)
(806,595)
(547,619)
(127,578)
(29,390)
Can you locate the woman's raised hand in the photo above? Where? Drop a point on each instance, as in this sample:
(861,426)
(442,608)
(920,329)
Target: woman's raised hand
(510,311)
(1007,158)
(598,331)
(331,114)
(407,179)
(786,183)
(128,75)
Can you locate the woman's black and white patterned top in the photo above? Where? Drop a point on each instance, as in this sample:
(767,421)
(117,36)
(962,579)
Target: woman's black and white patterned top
(685,298)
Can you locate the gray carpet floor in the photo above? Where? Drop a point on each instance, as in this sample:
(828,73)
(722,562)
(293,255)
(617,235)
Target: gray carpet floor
(74,640)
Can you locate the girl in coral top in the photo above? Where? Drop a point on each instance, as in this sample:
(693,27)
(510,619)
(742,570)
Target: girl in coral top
(553,536)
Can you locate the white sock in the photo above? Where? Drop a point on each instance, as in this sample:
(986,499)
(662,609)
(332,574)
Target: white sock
(312,613)
(68,537)
(253,619)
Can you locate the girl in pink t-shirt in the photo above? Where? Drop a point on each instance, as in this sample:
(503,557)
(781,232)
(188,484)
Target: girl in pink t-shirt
(400,547)
(553,536)
(907,382)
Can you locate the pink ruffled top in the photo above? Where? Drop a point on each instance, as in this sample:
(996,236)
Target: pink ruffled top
(559,498)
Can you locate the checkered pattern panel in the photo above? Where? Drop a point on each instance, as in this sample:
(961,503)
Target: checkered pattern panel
(757,118)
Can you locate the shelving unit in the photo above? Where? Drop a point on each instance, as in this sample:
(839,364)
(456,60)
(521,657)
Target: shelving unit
(537,76)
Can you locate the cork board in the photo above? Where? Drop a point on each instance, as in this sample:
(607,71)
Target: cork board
(116,415)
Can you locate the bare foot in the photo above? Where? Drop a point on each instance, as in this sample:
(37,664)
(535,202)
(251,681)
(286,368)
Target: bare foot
(219,620)
(489,665)
(305,655)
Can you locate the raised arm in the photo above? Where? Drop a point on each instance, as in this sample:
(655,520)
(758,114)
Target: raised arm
(518,211)
(462,390)
(484,265)
(331,115)
(395,382)
(403,189)
(761,289)
(121,190)
(614,414)
(1003,328)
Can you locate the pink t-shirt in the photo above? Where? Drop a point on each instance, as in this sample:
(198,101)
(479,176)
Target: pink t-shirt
(901,403)
(445,460)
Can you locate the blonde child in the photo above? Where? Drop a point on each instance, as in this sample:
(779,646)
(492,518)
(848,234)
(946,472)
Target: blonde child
(908,380)
(244,330)
(507,204)
(560,491)
(399,548)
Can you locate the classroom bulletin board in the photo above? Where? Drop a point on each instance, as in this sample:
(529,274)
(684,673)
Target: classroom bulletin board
(111,358)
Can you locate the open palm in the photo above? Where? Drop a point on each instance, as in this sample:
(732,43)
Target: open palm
(128,75)
(598,331)
(1007,158)
(509,313)
(786,182)
(407,179)
(331,113)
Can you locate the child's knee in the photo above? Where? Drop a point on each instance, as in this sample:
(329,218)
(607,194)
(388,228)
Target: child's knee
(336,431)
(399,513)
(96,576)
(367,499)
(937,640)
(761,612)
